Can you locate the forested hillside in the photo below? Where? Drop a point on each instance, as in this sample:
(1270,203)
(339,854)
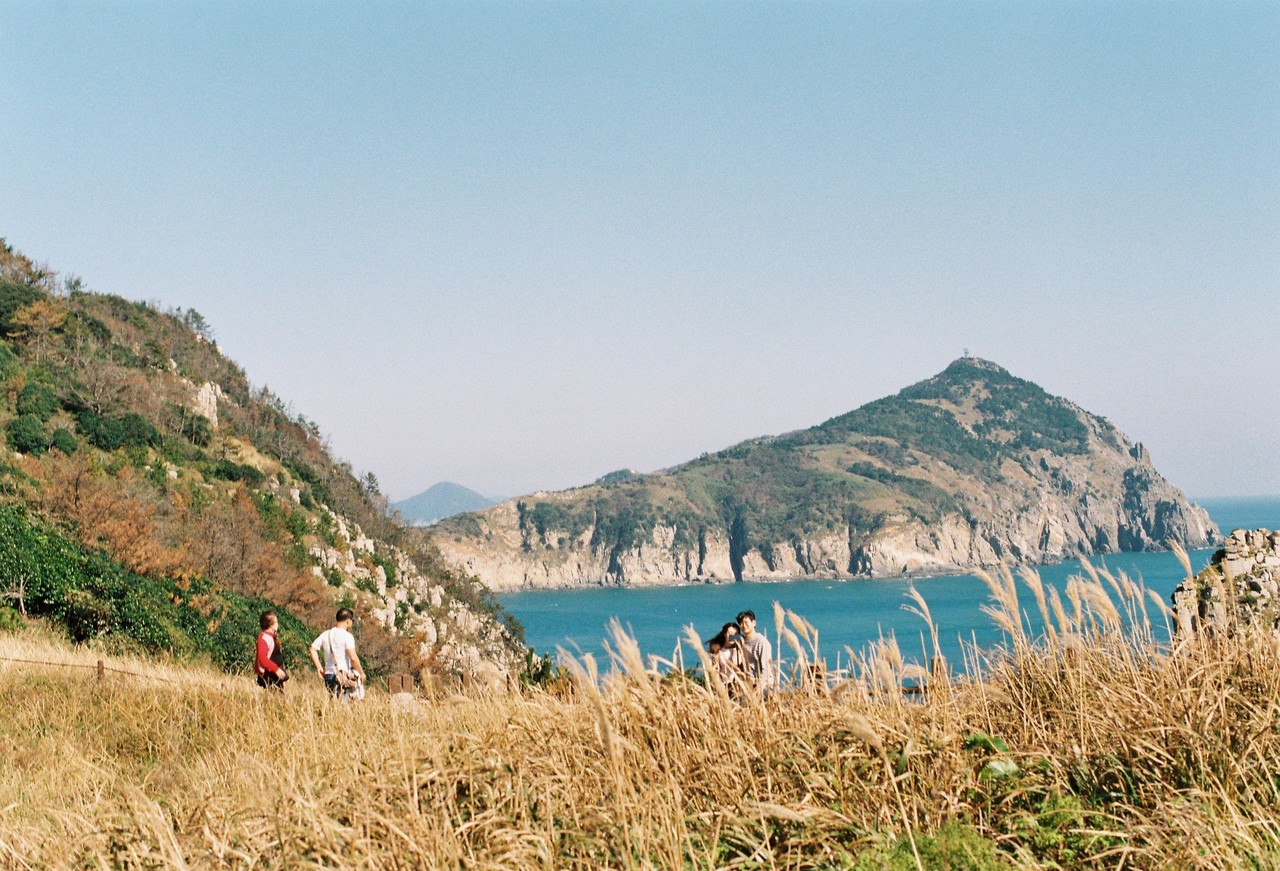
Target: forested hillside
(151,497)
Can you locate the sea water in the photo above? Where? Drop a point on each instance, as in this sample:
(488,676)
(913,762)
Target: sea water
(847,614)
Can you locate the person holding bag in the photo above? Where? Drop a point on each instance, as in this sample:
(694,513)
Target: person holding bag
(342,672)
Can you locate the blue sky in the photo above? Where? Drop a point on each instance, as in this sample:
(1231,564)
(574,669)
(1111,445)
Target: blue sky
(518,246)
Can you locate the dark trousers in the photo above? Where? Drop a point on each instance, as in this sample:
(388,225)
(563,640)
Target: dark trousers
(269,681)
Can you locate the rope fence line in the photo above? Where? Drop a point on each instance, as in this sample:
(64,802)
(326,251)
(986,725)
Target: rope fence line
(101,667)
(399,683)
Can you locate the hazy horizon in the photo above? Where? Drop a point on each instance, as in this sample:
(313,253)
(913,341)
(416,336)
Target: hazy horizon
(517,247)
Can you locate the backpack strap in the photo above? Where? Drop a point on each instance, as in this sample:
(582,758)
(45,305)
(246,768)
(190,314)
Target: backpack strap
(333,654)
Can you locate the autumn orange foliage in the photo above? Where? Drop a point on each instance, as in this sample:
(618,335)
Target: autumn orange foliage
(181,533)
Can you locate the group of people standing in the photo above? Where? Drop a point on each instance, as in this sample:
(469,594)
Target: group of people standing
(341,671)
(743,658)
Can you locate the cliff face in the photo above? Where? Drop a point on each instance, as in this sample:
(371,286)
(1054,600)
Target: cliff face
(944,477)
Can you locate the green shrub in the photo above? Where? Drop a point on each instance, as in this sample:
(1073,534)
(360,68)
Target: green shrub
(317,491)
(13,296)
(181,452)
(538,671)
(388,568)
(37,400)
(129,311)
(136,455)
(229,470)
(9,363)
(80,322)
(232,642)
(956,846)
(63,440)
(27,435)
(86,615)
(198,430)
(139,431)
(112,433)
(101,432)
(10,620)
(92,596)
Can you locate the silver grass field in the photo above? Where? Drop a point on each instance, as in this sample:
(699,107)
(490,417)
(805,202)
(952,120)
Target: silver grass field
(1088,745)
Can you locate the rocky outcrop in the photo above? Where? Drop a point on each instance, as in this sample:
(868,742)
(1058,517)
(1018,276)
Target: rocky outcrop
(455,639)
(1240,586)
(206,401)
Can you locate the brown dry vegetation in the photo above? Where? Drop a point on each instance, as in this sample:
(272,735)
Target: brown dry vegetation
(178,532)
(1092,748)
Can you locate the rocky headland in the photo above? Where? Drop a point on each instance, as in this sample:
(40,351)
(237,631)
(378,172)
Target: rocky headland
(970,468)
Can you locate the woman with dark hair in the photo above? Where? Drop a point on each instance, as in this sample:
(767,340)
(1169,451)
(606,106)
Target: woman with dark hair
(727,658)
(269,661)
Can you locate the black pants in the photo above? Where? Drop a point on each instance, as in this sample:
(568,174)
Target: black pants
(269,681)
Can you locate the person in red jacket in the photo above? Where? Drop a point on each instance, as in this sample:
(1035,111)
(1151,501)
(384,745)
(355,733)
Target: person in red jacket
(269,663)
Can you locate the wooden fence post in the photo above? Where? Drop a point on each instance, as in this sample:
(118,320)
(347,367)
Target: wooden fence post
(102,669)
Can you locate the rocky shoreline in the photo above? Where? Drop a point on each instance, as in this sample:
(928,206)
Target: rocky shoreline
(903,547)
(1240,586)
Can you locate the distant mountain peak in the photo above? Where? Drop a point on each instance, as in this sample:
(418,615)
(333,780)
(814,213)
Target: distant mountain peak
(966,362)
(967,372)
(441,500)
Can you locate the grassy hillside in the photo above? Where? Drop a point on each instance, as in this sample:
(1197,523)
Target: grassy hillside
(1091,748)
(151,497)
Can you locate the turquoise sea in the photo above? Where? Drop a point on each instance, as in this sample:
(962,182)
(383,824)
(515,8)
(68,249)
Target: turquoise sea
(847,614)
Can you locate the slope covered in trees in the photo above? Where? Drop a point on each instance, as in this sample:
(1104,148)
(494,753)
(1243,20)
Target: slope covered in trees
(150,496)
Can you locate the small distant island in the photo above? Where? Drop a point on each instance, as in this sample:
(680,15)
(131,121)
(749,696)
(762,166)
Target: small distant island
(439,501)
(969,468)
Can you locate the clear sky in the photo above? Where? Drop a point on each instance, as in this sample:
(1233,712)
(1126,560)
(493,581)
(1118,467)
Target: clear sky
(517,246)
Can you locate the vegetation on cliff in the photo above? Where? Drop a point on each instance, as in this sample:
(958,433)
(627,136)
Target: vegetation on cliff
(152,498)
(974,444)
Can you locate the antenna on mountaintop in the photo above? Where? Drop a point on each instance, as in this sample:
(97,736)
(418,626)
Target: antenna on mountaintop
(967,355)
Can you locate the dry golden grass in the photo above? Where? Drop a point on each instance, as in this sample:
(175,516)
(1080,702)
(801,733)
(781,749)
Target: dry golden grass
(1092,747)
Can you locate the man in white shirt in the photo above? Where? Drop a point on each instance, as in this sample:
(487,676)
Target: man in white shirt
(757,655)
(339,647)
